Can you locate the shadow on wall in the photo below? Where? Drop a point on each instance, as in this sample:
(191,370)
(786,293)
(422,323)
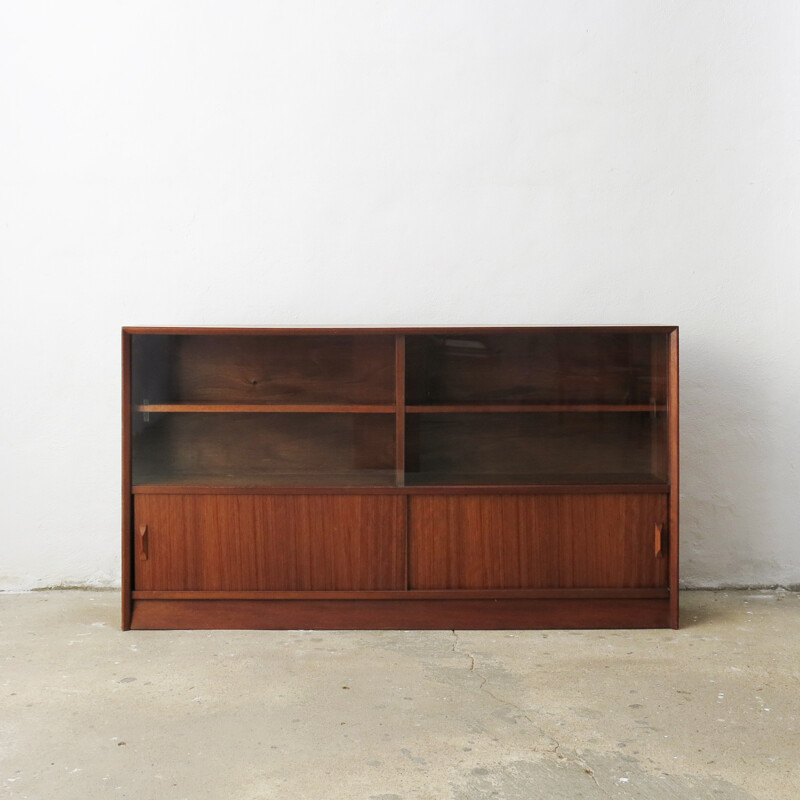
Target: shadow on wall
(729,518)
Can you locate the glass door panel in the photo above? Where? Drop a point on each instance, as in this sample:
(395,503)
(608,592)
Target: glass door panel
(540,407)
(242,410)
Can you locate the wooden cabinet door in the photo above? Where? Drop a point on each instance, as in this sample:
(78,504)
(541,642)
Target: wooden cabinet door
(536,541)
(269,542)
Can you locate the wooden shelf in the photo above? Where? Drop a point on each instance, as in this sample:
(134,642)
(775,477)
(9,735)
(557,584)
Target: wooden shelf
(320,408)
(383,481)
(532,408)
(530,480)
(264,408)
(374,488)
(408,594)
(155,482)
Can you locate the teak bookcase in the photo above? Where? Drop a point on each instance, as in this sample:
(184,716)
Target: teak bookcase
(400,477)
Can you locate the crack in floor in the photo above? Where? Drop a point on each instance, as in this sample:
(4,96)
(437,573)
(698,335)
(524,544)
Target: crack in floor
(556,746)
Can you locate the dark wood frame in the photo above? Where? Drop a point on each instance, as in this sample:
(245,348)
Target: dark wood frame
(531,608)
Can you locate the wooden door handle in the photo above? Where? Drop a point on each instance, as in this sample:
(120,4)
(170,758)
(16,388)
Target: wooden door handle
(660,543)
(141,543)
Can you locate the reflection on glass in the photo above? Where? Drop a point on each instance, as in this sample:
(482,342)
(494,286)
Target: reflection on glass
(264,449)
(535,448)
(568,368)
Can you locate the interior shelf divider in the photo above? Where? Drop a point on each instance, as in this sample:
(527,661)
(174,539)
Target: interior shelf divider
(400,412)
(533,408)
(265,408)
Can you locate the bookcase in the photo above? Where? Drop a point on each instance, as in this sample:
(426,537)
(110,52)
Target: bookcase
(400,477)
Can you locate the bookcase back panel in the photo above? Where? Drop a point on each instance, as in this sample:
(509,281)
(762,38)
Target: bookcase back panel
(264,369)
(542,367)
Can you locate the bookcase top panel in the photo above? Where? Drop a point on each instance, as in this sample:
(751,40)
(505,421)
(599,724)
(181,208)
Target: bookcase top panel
(409,331)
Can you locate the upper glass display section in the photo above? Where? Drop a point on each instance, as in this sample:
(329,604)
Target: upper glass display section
(340,409)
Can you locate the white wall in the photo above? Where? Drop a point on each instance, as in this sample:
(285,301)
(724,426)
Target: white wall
(399,163)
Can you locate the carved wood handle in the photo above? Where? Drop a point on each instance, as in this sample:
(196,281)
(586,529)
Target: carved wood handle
(660,540)
(141,543)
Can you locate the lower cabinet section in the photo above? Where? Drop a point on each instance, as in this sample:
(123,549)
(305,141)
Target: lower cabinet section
(536,541)
(269,542)
(401,561)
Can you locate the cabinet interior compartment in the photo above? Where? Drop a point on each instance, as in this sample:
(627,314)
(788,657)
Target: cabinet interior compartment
(548,367)
(279,369)
(535,448)
(265,449)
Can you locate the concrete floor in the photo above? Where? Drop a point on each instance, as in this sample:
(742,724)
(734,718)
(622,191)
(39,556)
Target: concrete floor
(710,711)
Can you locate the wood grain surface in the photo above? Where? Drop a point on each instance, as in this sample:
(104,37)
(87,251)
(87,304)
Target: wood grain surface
(247,542)
(285,369)
(516,542)
(399,614)
(127,499)
(674,479)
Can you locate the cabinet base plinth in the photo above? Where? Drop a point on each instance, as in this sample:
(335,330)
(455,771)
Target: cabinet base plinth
(482,614)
